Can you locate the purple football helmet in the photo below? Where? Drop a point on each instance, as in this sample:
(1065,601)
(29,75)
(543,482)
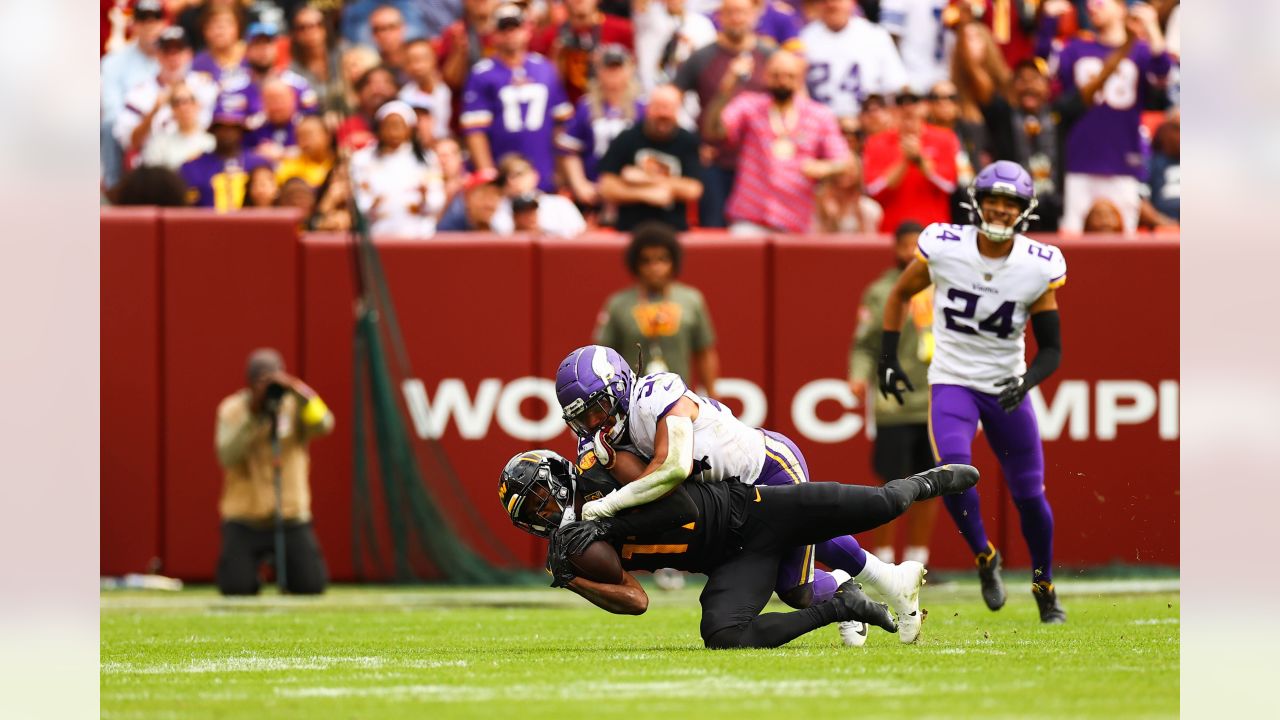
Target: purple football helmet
(1009,179)
(594,386)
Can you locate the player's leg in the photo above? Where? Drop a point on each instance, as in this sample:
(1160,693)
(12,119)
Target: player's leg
(799,582)
(889,458)
(921,517)
(1015,438)
(237,572)
(953,421)
(307,573)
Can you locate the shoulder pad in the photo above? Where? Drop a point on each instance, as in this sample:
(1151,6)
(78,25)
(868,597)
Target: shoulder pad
(938,238)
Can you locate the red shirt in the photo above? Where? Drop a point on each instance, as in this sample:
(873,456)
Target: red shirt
(916,197)
(354,133)
(563,45)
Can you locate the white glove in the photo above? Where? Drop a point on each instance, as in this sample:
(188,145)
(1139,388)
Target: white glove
(599,509)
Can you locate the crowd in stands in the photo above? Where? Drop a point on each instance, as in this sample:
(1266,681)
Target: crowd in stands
(560,116)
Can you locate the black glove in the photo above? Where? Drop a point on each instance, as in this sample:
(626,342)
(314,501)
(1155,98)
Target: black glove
(1013,393)
(577,536)
(562,572)
(889,370)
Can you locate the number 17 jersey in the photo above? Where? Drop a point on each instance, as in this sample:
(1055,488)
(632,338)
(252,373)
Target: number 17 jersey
(981,304)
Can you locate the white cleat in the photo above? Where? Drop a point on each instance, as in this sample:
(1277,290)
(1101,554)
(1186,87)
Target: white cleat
(853,633)
(668,579)
(902,592)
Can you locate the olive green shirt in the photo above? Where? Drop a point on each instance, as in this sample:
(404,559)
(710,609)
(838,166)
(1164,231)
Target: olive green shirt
(915,349)
(670,328)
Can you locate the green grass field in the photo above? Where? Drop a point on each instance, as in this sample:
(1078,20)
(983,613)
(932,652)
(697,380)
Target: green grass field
(532,653)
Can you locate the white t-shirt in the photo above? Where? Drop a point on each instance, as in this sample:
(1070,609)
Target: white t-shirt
(923,41)
(142,97)
(557,215)
(439,100)
(401,195)
(172,148)
(980,305)
(847,65)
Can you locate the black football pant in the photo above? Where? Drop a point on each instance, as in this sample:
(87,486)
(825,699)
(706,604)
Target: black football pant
(778,519)
(245,547)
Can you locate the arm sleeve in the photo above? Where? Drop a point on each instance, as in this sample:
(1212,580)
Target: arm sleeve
(675,469)
(667,513)
(1046,326)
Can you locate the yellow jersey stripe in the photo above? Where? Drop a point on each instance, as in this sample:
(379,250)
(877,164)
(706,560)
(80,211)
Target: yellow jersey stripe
(629,550)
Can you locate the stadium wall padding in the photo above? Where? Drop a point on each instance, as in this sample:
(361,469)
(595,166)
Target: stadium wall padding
(187,294)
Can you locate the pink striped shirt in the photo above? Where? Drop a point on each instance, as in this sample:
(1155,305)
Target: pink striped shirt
(767,190)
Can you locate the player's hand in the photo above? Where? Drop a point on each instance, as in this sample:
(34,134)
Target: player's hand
(558,561)
(605,454)
(893,378)
(594,510)
(576,537)
(1013,393)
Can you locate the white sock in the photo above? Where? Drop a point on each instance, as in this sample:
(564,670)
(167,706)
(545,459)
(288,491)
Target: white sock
(885,553)
(874,574)
(918,553)
(840,576)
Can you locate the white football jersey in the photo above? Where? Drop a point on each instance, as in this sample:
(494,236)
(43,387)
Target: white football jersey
(723,447)
(980,305)
(923,41)
(850,64)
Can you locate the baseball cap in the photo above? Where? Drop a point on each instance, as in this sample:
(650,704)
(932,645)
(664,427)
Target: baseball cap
(262,29)
(148,10)
(508,16)
(173,37)
(614,55)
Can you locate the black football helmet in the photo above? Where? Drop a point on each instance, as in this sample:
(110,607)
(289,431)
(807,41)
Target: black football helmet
(534,488)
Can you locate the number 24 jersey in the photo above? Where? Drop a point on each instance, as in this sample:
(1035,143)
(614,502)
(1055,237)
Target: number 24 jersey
(981,305)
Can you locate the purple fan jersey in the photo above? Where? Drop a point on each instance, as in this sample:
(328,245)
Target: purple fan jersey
(779,22)
(1105,140)
(217,182)
(241,94)
(589,137)
(284,134)
(517,109)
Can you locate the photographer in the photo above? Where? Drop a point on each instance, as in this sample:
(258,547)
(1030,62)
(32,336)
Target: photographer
(263,429)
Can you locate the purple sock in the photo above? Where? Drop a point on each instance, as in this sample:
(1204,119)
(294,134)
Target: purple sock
(1037,529)
(844,553)
(967,513)
(824,586)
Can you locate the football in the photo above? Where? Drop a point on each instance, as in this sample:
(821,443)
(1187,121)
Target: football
(599,562)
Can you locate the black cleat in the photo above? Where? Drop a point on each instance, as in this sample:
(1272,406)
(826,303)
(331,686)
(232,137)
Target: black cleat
(855,605)
(948,479)
(1051,613)
(989,565)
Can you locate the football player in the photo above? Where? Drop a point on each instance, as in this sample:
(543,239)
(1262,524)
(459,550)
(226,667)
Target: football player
(737,534)
(988,279)
(682,435)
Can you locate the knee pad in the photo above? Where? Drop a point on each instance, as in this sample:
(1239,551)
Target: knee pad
(798,597)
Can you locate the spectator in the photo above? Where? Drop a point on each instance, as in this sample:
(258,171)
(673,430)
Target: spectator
(315,58)
(358,18)
(922,39)
(122,70)
(1011,25)
(261,191)
(666,35)
(1166,172)
(977,69)
(217,179)
(397,185)
(737,52)
(550,214)
(184,139)
(911,170)
(356,61)
(849,58)
(243,88)
(573,44)
(1022,129)
(373,90)
(902,446)
(147,108)
(449,155)
(650,170)
(610,106)
(473,208)
(665,317)
(1104,217)
(437,15)
(333,208)
(276,136)
(150,185)
(465,43)
(875,116)
(842,205)
(777,24)
(1102,151)
(386,24)
(425,88)
(788,143)
(223,52)
(314,157)
(944,112)
(514,101)
(296,193)
(273,405)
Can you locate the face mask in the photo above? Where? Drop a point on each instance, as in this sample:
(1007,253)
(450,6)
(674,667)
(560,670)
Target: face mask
(781,94)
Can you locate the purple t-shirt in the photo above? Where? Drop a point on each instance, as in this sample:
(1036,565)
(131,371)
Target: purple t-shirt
(217,182)
(778,21)
(1105,140)
(517,108)
(240,93)
(589,137)
(285,134)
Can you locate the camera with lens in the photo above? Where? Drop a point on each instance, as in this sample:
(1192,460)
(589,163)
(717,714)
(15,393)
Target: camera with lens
(272,396)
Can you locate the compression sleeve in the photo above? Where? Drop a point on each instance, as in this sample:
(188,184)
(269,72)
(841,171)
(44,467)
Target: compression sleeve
(674,470)
(1048,331)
